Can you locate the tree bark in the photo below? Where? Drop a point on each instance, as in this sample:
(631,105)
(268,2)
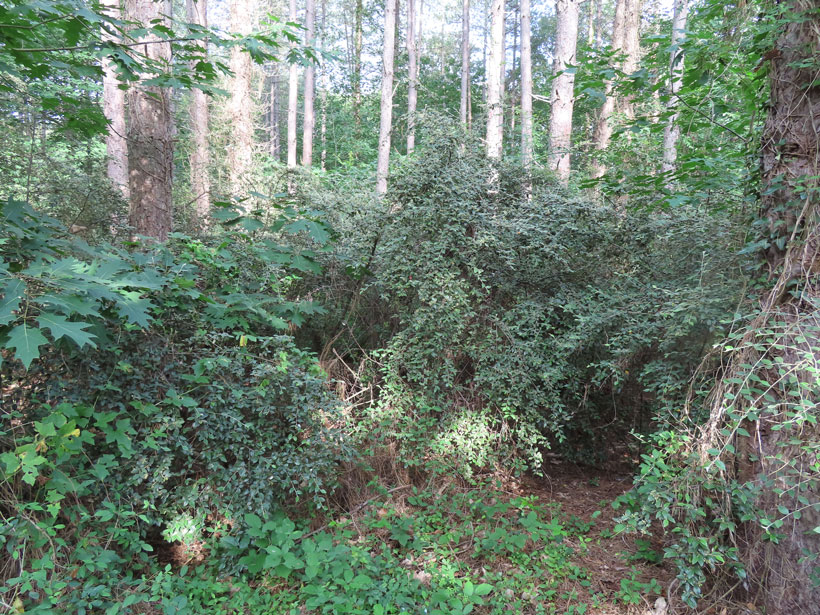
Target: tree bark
(240,105)
(413,70)
(563,96)
(114,110)
(671,132)
(632,49)
(293,105)
(150,137)
(526,88)
(275,135)
(309,119)
(323,93)
(495,82)
(465,62)
(603,128)
(385,123)
(197,13)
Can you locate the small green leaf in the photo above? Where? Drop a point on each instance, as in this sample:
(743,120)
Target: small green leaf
(60,327)
(26,341)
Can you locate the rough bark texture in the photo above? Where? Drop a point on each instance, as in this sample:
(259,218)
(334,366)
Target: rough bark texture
(495,82)
(603,127)
(784,447)
(526,86)
(114,111)
(274,124)
(309,119)
(240,105)
(413,75)
(385,123)
(197,13)
(671,132)
(465,62)
(150,138)
(563,95)
(631,48)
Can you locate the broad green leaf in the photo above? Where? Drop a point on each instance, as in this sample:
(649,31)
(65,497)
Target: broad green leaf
(60,327)
(13,293)
(26,341)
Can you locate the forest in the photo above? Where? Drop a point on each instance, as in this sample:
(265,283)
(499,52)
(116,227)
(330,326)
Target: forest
(426,307)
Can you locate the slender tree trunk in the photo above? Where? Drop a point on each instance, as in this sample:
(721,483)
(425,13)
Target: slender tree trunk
(563,95)
(293,105)
(495,82)
(357,62)
(275,136)
(465,63)
(484,54)
(240,105)
(197,13)
(413,70)
(150,137)
(598,24)
(632,48)
(323,94)
(671,132)
(603,127)
(385,123)
(591,23)
(526,88)
(114,110)
(310,75)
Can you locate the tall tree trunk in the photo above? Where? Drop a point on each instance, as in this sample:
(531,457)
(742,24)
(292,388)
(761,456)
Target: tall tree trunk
(632,48)
(782,344)
(413,70)
(275,135)
(671,132)
(114,110)
(150,137)
(465,62)
(323,94)
(240,105)
(385,123)
(293,105)
(197,13)
(563,89)
(357,62)
(591,23)
(603,128)
(310,74)
(526,87)
(495,82)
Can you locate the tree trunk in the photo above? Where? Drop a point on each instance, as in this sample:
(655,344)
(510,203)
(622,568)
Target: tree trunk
(495,82)
(632,48)
(275,135)
(671,132)
(323,94)
(413,70)
(591,23)
(357,63)
(783,344)
(197,13)
(240,105)
(603,128)
(310,74)
(465,62)
(562,97)
(150,137)
(114,110)
(293,104)
(385,123)
(526,88)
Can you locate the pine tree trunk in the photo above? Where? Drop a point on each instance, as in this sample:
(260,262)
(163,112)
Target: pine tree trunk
(526,88)
(465,62)
(240,105)
(413,70)
(603,128)
(495,82)
(150,137)
(671,132)
(385,123)
(562,98)
(309,119)
(114,110)
(197,13)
